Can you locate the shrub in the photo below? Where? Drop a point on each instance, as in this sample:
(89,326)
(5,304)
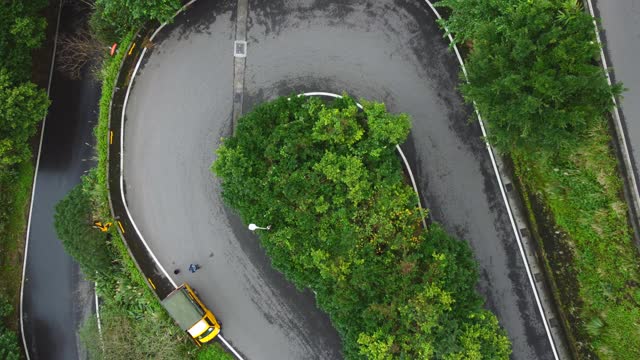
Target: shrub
(534,77)
(73,222)
(346,225)
(21,31)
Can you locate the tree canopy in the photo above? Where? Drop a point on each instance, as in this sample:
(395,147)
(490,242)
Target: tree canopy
(327,178)
(532,70)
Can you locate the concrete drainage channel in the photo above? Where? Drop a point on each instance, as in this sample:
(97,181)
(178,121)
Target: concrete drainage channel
(157,276)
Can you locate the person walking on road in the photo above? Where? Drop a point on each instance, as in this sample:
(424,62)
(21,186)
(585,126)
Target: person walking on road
(194,267)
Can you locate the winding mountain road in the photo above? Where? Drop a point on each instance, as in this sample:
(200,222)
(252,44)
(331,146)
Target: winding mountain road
(181,105)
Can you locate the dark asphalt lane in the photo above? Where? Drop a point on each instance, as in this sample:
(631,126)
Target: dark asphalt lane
(390,51)
(55,295)
(620,21)
(179,108)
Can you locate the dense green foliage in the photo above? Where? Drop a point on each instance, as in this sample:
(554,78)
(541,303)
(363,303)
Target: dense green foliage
(531,70)
(22,105)
(113,19)
(533,75)
(582,189)
(345,224)
(21,31)
(73,223)
(9,348)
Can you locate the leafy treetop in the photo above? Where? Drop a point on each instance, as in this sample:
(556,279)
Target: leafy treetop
(346,225)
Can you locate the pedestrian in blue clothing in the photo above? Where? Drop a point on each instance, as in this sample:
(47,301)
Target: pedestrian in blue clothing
(194,267)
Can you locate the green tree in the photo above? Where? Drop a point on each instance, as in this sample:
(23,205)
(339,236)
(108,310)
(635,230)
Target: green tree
(532,71)
(73,222)
(21,107)
(345,224)
(124,337)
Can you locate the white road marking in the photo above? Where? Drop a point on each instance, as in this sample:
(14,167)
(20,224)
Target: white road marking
(33,188)
(504,195)
(124,200)
(235,353)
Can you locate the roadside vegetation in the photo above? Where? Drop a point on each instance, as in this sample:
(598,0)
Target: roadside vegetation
(133,323)
(114,19)
(22,106)
(345,224)
(534,77)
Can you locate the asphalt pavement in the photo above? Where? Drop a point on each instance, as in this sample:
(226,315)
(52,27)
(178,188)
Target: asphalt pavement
(56,297)
(620,23)
(390,51)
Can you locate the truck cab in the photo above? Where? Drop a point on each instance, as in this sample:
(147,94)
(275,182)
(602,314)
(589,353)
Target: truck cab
(191,315)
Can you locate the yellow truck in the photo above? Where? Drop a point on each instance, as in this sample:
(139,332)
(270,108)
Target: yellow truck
(191,315)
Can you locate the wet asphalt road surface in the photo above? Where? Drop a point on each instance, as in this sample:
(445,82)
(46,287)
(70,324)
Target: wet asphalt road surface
(56,296)
(620,21)
(390,51)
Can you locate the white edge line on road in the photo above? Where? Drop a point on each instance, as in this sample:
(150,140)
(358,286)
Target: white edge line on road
(504,195)
(404,158)
(635,192)
(124,200)
(237,355)
(33,188)
(124,108)
(183,8)
(95,292)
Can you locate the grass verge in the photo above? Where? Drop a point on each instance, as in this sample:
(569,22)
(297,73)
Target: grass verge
(15,194)
(576,207)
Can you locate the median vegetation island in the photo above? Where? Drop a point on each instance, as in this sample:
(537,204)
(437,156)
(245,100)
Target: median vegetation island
(133,323)
(22,106)
(346,225)
(533,74)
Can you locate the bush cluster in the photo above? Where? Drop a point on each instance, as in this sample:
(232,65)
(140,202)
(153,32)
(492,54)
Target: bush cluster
(345,224)
(531,70)
(113,19)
